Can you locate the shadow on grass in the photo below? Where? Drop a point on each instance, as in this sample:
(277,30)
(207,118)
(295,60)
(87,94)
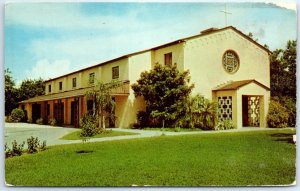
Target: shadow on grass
(284,137)
(84,151)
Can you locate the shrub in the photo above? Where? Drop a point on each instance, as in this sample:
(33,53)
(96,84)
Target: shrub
(290,105)
(17,115)
(88,126)
(277,116)
(40,121)
(177,129)
(43,146)
(224,125)
(8,119)
(33,144)
(17,149)
(52,122)
(7,151)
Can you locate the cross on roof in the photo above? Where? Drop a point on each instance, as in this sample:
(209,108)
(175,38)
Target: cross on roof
(225,13)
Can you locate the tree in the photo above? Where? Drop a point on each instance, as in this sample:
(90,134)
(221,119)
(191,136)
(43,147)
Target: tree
(103,103)
(165,91)
(283,71)
(11,101)
(31,88)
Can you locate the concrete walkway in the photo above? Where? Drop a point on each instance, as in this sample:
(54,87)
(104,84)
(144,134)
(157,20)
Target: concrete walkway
(21,131)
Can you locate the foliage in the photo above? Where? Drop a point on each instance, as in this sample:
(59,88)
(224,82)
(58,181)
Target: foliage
(277,116)
(33,144)
(165,91)
(103,103)
(17,149)
(202,112)
(52,121)
(17,115)
(88,126)
(30,88)
(40,121)
(289,103)
(223,159)
(224,125)
(43,146)
(283,71)
(11,92)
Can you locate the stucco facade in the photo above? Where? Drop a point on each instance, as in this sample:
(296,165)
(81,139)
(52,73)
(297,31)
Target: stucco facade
(202,54)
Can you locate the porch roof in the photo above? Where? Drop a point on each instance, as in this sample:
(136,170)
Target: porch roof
(235,85)
(122,90)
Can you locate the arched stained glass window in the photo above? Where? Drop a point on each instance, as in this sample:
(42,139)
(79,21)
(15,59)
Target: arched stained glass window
(231,61)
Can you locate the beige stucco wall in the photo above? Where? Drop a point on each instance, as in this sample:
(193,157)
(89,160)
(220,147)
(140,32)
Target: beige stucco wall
(177,55)
(235,111)
(128,106)
(253,90)
(102,73)
(203,58)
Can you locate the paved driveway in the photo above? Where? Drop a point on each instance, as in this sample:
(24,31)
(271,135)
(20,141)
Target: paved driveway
(21,131)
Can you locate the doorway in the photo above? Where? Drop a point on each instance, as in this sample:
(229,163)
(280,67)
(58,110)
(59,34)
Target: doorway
(75,112)
(251,111)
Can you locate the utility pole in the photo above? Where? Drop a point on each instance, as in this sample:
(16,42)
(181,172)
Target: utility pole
(226,13)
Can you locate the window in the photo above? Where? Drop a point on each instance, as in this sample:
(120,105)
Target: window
(60,86)
(49,88)
(74,82)
(168,59)
(115,72)
(92,78)
(231,61)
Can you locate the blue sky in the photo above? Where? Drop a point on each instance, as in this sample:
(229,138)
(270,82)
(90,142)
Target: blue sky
(50,39)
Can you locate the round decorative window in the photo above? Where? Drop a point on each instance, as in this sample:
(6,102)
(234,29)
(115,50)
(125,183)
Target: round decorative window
(231,61)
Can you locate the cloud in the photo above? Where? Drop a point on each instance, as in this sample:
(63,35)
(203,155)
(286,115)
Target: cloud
(46,69)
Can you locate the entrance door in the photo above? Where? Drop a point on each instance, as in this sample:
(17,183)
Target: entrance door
(59,112)
(75,112)
(250,109)
(36,112)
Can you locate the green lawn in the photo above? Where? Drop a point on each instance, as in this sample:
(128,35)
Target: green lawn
(240,158)
(76,135)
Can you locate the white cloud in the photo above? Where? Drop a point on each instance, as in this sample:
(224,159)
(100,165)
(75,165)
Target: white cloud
(45,69)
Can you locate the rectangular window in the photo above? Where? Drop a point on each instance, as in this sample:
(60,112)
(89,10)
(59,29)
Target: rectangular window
(92,78)
(60,86)
(115,72)
(74,82)
(49,88)
(168,59)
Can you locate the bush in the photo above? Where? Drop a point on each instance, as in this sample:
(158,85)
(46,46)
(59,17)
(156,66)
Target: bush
(33,144)
(224,125)
(40,121)
(277,116)
(17,115)
(8,119)
(290,105)
(88,126)
(52,122)
(7,151)
(43,146)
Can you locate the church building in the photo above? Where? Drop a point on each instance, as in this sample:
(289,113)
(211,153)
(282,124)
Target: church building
(225,65)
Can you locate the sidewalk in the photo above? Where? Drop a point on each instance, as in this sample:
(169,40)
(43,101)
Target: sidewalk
(21,131)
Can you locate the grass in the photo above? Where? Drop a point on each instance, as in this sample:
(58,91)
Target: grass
(237,158)
(109,133)
(172,129)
